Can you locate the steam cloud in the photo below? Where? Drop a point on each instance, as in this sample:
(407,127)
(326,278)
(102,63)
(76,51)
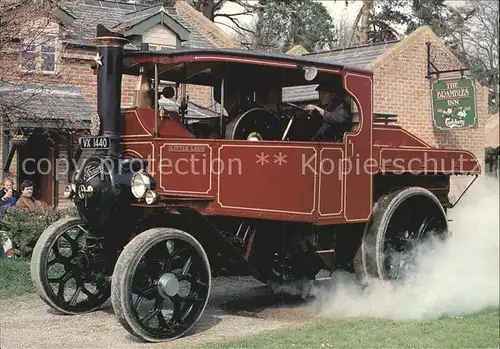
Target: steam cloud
(457,278)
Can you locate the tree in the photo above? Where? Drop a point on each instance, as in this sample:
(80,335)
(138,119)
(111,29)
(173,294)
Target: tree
(286,24)
(345,33)
(306,22)
(385,20)
(211,10)
(474,39)
(433,13)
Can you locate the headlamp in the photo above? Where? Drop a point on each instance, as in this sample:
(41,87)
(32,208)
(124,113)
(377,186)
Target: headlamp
(151,197)
(141,183)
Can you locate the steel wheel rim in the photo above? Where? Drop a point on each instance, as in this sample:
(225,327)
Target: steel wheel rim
(75,266)
(414,222)
(262,127)
(181,260)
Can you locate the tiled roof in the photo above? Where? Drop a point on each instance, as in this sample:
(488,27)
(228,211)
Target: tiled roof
(59,106)
(360,56)
(115,14)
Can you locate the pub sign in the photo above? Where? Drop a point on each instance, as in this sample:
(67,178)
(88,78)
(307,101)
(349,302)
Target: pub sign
(454,103)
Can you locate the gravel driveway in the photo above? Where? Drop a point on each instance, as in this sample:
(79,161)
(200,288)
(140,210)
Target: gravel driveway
(238,306)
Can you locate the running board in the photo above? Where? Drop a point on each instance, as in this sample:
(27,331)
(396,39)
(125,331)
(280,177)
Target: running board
(328,258)
(324,275)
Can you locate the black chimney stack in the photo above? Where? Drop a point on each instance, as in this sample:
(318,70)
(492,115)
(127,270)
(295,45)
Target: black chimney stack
(109,61)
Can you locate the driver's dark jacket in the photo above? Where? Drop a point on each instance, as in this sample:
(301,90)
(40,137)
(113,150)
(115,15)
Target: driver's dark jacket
(336,122)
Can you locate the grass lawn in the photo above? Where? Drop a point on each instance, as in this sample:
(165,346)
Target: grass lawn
(476,331)
(15,279)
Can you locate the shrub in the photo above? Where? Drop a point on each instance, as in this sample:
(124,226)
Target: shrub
(24,228)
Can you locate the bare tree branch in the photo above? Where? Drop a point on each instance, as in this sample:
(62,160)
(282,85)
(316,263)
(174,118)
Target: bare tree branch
(233,14)
(475,38)
(236,23)
(30,53)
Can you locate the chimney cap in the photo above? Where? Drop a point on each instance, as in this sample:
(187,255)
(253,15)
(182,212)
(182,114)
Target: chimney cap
(103,31)
(106,37)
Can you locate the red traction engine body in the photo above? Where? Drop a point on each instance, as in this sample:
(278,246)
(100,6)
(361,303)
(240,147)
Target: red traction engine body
(173,199)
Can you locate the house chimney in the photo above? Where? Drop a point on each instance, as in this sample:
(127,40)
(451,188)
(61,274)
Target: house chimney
(109,64)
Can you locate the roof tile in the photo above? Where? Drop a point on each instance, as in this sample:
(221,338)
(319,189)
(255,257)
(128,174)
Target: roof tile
(114,14)
(63,105)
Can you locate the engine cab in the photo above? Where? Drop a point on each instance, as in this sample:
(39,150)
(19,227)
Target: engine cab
(249,99)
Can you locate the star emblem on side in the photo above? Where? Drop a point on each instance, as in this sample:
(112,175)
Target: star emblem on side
(98,58)
(262,159)
(280,159)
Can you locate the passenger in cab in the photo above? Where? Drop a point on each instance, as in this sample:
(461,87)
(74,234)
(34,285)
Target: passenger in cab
(335,114)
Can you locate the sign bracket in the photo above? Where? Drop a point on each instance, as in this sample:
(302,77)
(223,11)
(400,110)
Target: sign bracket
(436,71)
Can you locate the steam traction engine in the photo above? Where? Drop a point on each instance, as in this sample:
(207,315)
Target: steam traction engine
(166,201)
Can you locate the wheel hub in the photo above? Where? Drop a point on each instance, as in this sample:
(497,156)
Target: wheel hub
(168,285)
(81,265)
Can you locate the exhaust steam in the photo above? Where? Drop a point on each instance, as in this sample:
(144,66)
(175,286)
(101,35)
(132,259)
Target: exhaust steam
(455,278)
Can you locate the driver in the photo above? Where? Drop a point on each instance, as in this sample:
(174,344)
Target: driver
(335,114)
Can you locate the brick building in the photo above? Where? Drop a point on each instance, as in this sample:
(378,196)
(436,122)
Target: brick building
(401,87)
(39,138)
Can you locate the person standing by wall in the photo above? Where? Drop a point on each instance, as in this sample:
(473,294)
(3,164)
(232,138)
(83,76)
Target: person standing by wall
(8,195)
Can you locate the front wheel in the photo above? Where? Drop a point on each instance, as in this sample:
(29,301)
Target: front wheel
(161,284)
(62,272)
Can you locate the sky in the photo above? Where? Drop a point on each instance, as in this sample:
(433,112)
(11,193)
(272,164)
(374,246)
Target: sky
(337,10)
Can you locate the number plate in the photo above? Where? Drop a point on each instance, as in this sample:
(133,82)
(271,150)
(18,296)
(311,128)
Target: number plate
(94,142)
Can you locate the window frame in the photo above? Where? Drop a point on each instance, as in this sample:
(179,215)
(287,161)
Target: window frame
(38,43)
(160,47)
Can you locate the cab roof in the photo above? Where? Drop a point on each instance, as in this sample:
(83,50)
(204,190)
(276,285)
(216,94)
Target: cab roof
(251,57)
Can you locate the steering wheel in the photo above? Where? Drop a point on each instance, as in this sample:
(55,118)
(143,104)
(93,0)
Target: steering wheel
(295,106)
(293,116)
(309,122)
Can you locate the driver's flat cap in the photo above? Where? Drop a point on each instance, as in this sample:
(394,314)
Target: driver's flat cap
(333,84)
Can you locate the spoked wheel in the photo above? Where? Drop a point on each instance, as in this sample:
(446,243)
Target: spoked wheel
(61,272)
(161,284)
(401,221)
(254,124)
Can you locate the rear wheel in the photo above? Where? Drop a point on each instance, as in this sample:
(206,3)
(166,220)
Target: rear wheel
(401,220)
(161,284)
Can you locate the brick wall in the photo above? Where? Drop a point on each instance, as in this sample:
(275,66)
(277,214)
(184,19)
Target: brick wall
(74,68)
(401,87)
